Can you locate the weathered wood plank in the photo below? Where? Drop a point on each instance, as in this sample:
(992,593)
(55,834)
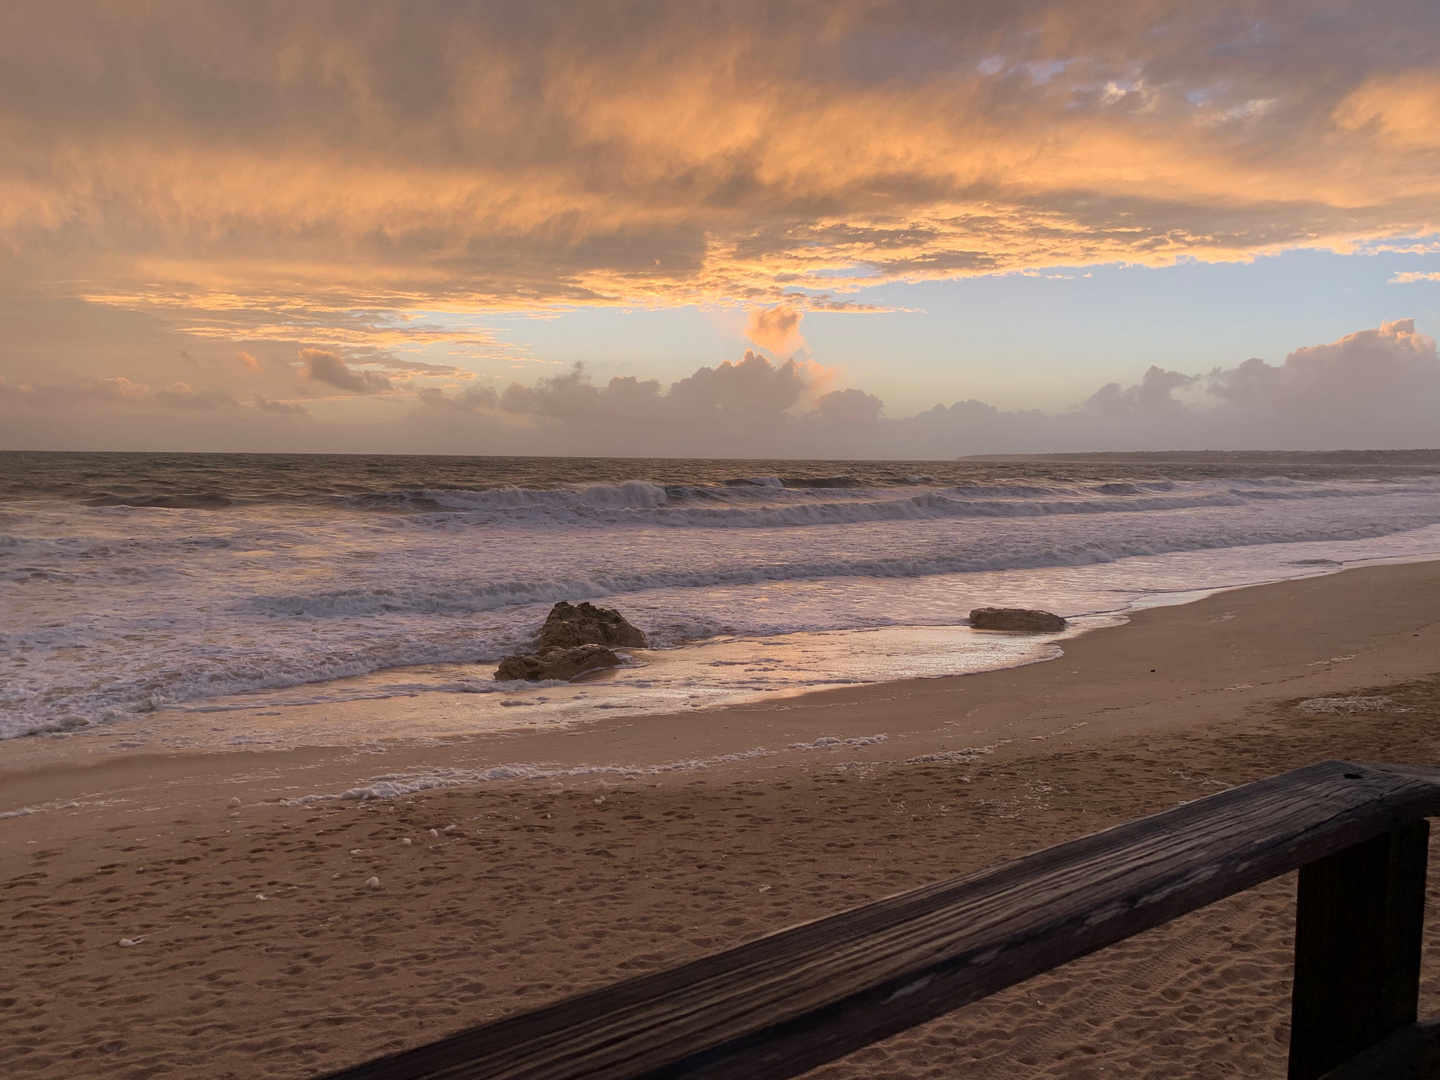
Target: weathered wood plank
(1358,927)
(783,1004)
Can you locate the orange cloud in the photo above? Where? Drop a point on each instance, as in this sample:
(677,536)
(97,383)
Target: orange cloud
(234,169)
(1403,109)
(776,329)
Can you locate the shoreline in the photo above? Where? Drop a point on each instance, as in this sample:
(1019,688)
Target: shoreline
(255,610)
(181,921)
(1229,651)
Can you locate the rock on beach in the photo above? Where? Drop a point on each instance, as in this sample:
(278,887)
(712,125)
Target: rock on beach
(576,638)
(1026,620)
(556,663)
(569,625)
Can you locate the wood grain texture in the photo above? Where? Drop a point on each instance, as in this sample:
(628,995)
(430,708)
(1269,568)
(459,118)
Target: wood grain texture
(785,1003)
(1358,922)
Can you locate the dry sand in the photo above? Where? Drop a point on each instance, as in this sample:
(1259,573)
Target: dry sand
(542,888)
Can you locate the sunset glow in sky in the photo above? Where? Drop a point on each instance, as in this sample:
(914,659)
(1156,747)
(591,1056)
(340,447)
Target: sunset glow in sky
(759,228)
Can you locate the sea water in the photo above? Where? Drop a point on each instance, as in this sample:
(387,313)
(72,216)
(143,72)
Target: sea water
(143,586)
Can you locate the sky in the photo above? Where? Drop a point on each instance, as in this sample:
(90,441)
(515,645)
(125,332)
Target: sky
(832,229)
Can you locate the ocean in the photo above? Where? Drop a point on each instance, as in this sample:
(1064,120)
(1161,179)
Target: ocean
(143,596)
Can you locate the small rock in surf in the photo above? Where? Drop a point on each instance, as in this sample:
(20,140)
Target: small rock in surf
(1026,620)
(556,663)
(569,625)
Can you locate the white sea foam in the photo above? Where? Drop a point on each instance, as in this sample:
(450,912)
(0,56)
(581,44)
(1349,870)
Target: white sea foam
(1347,705)
(832,742)
(109,612)
(397,785)
(952,757)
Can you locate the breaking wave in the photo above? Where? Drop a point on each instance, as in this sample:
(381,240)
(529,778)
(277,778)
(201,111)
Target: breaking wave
(772,503)
(135,592)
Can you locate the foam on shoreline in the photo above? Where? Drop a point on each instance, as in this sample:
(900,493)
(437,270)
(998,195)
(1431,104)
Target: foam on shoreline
(1211,658)
(114,612)
(397,785)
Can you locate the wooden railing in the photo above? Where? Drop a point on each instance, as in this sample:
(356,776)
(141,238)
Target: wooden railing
(785,1003)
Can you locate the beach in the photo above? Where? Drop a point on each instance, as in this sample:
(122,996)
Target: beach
(634,842)
(498,499)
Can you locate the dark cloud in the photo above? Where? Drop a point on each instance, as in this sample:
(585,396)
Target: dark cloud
(280,408)
(322,366)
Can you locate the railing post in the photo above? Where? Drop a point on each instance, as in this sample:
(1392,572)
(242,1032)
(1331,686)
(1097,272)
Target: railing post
(1357,948)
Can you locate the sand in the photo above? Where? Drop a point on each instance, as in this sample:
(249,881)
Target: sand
(263,951)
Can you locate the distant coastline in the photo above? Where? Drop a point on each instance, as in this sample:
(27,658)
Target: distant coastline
(1243,457)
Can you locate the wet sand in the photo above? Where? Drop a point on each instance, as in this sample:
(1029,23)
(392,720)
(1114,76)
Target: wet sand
(554,884)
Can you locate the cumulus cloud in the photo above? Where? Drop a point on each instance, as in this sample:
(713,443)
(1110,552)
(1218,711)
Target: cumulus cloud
(472,399)
(749,392)
(776,328)
(1377,388)
(1390,372)
(849,408)
(320,365)
(268,173)
(1152,396)
(749,407)
(753,388)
